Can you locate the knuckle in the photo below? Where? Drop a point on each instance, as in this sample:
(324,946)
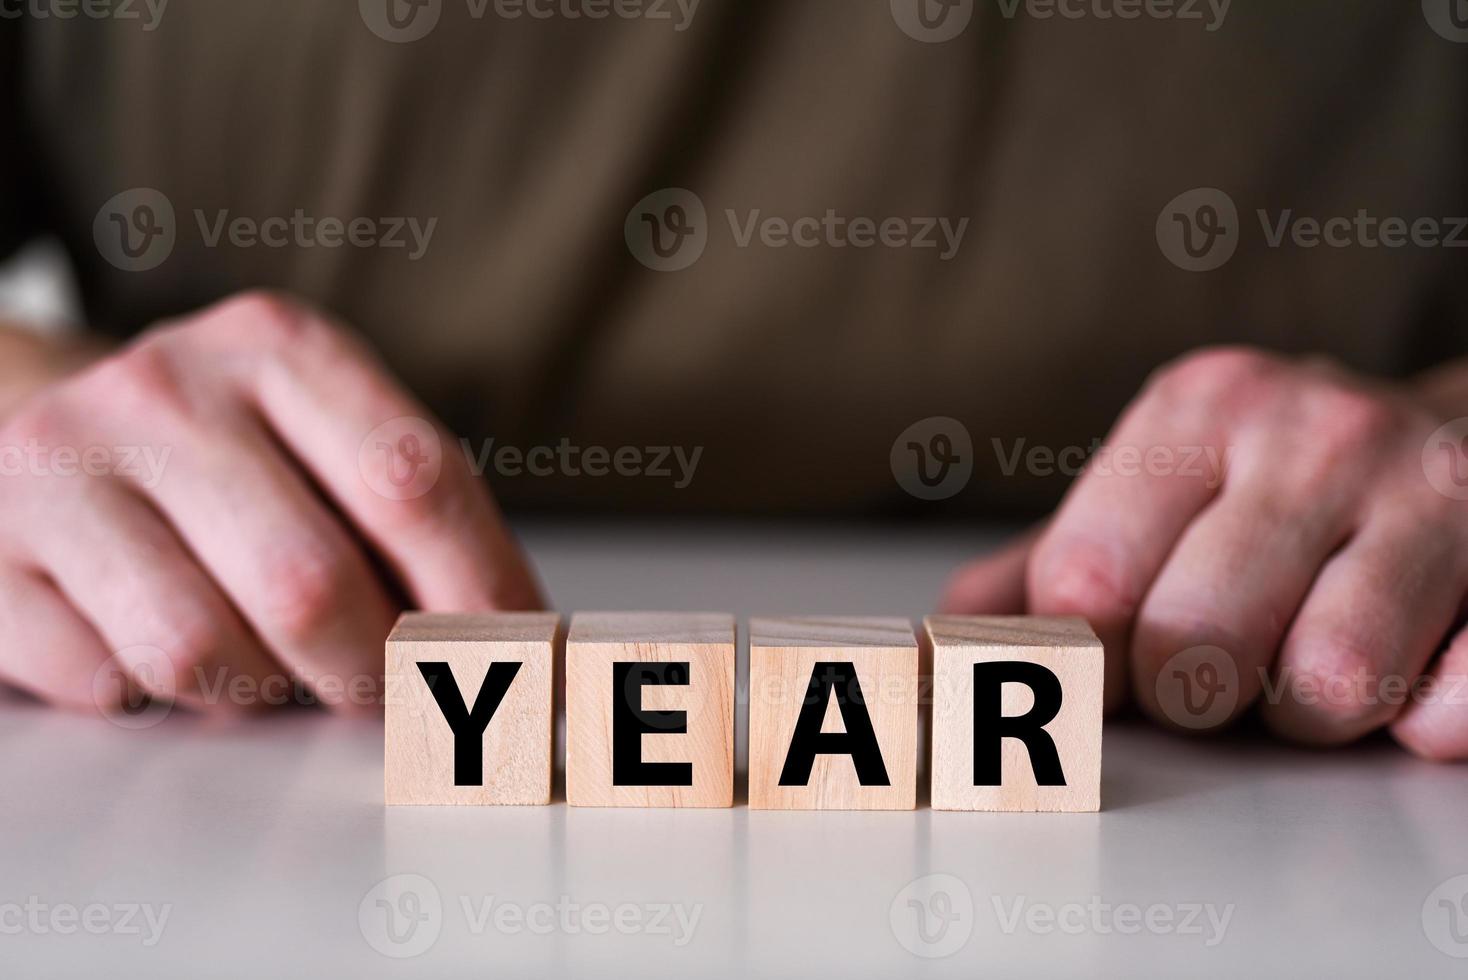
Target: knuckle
(141,379)
(1083,579)
(1351,420)
(303,590)
(262,305)
(42,419)
(446,508)
(263,318)
(1211,373)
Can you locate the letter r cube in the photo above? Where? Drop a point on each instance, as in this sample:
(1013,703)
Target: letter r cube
(1016,713)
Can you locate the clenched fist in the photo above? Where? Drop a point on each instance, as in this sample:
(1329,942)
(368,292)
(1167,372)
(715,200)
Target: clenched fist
(1317,568)
(236,500)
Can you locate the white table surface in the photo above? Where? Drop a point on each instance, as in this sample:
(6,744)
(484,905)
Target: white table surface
(264,840)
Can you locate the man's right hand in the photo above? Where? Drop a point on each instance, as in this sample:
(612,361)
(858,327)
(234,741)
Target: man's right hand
(247,491)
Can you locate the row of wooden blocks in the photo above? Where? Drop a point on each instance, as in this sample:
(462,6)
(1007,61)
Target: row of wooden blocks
(834,707)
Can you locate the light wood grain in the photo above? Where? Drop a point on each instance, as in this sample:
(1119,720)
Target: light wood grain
(1065,645)
(419,746)
(782,655)
(705,641)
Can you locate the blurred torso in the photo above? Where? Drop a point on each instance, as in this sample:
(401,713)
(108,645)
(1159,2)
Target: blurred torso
(528,318)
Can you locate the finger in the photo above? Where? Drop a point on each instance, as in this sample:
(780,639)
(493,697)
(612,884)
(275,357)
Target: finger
(1161,466)
(127,573)
(46,648)
(1374,617)
(1228,592)
(390,468)
(1434,724)
(300,580)
(993,585)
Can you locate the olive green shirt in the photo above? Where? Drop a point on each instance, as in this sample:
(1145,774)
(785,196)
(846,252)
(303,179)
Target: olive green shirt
(875,225)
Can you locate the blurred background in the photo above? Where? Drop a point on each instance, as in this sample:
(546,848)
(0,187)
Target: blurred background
(809,249)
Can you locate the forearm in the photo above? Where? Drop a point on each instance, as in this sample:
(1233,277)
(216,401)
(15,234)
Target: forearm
(30,361)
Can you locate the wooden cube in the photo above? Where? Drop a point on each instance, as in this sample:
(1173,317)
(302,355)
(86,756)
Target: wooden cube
(1016,713)
(833,714)
(469,708)
(650,710)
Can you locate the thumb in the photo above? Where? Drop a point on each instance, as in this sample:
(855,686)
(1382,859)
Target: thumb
(995,584)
